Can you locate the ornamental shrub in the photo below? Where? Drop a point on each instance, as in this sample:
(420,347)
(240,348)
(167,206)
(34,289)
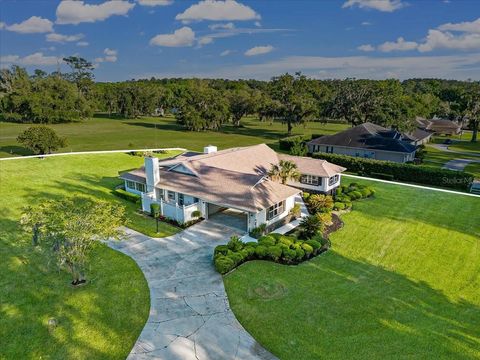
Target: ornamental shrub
(155,210)
(224,264)
(261,251)
(235,244)
(267,240)
(274,252)
(288,254)
(121,193)
(300,254)
(220,250)
(339,206)
(314,244)
(196,213)
(286,240)
(307,248)
(236,257)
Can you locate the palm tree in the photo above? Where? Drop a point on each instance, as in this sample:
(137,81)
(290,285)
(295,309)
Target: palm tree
(284,171)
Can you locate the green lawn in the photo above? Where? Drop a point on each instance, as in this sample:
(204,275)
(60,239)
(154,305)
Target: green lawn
(437,158)
(99,321)
(401,281)
(118,134)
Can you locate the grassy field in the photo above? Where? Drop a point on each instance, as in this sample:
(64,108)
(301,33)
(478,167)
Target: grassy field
(99,321)
(119,134)
(401,281)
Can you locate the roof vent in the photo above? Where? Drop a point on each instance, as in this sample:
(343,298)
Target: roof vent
(209,149)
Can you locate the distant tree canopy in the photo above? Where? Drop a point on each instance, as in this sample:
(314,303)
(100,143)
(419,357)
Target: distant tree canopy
(209,104)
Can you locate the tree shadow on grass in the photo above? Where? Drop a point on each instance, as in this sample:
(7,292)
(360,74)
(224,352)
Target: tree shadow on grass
(15,150)
(353,310)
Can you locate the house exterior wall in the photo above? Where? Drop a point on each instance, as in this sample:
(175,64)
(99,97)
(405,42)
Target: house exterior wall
(364,153)
(324,187)
(256,219)
(130,190)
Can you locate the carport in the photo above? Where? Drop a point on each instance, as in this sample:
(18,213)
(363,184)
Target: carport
(233,218)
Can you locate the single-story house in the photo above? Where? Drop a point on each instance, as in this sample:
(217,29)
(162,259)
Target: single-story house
(418,136)
(236,179)
(368,141)
(440,126)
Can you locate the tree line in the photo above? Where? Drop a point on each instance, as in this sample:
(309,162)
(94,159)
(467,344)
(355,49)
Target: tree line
(209,104)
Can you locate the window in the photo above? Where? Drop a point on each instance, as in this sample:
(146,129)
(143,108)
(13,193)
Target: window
(171,196)
(140,187)
(181,199)
(130,184)
(275,210)
(160,194)
(310,180)
(333,180)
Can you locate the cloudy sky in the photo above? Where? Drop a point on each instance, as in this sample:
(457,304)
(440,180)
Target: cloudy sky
(246,39)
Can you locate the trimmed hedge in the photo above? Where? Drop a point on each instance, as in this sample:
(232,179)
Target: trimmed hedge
(404,172)
(121,193)
(288,142)
(274,247)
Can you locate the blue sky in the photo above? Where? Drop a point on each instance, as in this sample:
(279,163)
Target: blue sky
(247,39)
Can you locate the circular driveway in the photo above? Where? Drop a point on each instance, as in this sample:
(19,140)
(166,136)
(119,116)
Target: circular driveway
(190,317)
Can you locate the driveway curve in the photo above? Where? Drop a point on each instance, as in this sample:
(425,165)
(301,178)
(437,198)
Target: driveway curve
(190,316)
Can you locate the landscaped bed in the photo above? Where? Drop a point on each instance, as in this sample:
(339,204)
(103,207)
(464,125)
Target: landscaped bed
(401,279)
(99,320)
(305,242)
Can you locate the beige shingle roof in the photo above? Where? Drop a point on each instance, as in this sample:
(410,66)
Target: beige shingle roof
(312,166)
(234,177)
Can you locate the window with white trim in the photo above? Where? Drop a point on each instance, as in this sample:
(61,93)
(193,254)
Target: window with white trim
(275,210)
(333,180)
(131,184)
(171,196)
(140,187)
(160,195)
(310,180)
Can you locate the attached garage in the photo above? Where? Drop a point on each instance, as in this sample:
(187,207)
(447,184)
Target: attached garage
(228,216)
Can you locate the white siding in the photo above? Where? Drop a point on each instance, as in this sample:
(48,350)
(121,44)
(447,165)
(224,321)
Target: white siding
(261,217)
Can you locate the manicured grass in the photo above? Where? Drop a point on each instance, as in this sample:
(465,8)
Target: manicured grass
(101,133)
(401,281)
(100,320)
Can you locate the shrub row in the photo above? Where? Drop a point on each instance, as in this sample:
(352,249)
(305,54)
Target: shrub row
(404,172)
(273,247)
(346,194)
(121,193)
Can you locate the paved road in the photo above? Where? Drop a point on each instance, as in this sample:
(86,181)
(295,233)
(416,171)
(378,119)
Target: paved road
(190,317)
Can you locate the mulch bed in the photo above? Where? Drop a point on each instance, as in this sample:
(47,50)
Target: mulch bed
(337,224)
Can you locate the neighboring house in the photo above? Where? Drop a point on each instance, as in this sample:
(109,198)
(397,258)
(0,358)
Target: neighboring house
(418,137)
(229,179)
(440,126)
(368,141)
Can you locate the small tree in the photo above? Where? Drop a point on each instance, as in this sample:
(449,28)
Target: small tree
(285,170)
(311,225)
(41,140)
(70,228)
(320,203)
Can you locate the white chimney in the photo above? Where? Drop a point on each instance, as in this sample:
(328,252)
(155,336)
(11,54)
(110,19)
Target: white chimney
(152,172)
(209,149)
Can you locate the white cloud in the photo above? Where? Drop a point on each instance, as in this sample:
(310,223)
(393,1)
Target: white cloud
(366,47)
(32,25)
(366,23)
(257,24)
(225,52)
(466,26)
(227,26)
(444,40)
(205,40)
(154,2)
(399,45)
(220,10)
(458,66)
(184,36)
(76,12)
(380,5)
(82,43)
(110,56)
(54,37)
(2,25)
(36,59)
(259,50)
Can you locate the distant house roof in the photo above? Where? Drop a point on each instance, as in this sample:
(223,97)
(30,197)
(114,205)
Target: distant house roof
(418,135)
(438,124)
(233,177)
(367,136)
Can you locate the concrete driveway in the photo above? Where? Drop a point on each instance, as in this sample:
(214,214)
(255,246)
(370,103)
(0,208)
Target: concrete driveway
(190,317)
